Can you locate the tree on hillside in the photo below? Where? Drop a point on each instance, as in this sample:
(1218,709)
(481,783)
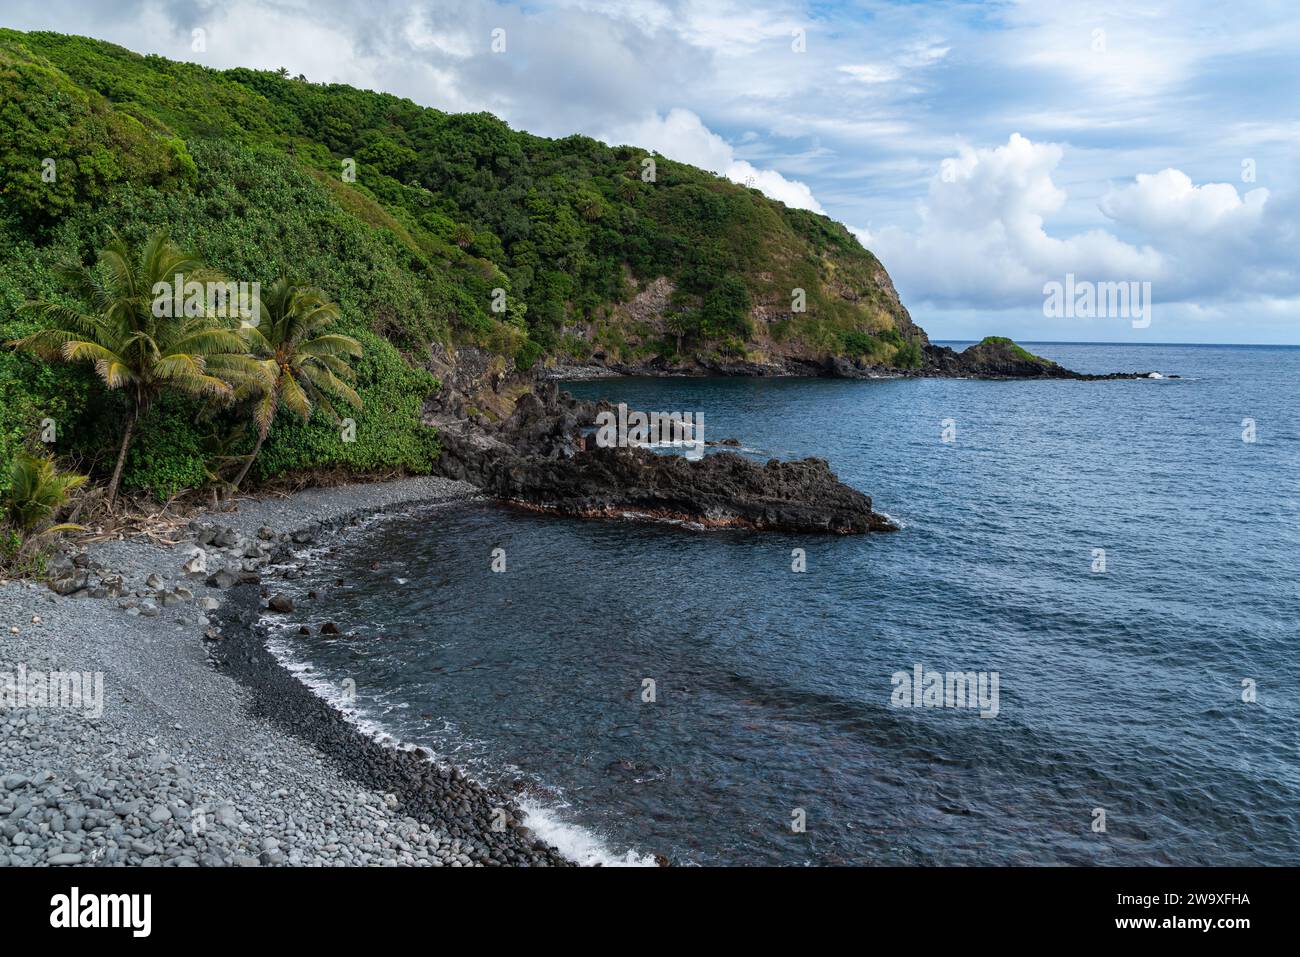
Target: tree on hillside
(129,346)
(300,363)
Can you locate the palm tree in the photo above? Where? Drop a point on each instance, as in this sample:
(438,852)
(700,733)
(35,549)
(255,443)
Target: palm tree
(678,325)
(463,235)
(300,364)
(130,347)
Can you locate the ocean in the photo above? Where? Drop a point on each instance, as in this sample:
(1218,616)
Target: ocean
(1080,648)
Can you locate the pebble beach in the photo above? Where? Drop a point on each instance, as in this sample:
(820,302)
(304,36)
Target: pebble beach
(202,750)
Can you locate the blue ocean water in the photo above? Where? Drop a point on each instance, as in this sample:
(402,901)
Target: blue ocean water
(1119,691)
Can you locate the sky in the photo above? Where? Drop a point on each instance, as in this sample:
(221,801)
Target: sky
(983,151)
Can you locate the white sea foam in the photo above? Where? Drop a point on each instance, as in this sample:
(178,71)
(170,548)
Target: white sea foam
(574,842)
(897,521)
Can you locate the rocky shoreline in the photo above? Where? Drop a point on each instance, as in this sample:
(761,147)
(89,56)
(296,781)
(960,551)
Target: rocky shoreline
(206,750)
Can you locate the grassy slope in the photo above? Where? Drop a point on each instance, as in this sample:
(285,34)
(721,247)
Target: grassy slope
(245,168)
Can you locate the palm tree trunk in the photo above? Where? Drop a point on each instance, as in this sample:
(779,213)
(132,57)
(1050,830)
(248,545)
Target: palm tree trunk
(261,437)
(121,455)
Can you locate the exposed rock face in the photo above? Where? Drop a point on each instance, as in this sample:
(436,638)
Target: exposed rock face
(478,386)
(642,323)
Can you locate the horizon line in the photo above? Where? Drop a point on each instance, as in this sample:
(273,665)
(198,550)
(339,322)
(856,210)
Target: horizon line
(1107,342)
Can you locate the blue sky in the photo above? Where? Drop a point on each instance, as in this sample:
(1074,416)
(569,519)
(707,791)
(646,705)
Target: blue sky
(980,149)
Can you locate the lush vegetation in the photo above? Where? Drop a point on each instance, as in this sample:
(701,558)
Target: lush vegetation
(128,345)
(422,227)
(1020,352)
(36,490)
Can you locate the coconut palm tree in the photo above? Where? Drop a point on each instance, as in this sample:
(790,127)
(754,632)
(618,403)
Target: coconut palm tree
(129,346)
(678,325)
(300,363)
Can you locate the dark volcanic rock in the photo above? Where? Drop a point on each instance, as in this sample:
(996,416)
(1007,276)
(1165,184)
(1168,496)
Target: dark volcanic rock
(725,489)
(280,603)
(999,358)
(222,578)
(540,458)
(992,359)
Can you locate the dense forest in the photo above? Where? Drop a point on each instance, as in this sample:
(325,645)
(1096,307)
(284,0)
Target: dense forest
(421,227)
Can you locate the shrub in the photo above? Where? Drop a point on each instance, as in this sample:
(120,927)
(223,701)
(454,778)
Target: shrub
(37,489)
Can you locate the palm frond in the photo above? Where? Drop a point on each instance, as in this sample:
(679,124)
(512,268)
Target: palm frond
(294,397)
(328,382)
(331,345)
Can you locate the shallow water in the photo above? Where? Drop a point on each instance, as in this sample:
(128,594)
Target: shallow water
(1118,690)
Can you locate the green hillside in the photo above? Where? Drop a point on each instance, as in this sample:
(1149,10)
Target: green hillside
(453,230)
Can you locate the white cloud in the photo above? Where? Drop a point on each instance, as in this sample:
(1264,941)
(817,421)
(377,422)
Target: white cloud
(422,37)
(982,239)
(682,136)
(915,57)
(872,72)
(1168,202)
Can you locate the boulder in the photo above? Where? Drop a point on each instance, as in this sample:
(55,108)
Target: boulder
(222,578)
(70,582)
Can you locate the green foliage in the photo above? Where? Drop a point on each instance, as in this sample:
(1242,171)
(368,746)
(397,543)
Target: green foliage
(37,489)
(20,556)
(475,201)
(64,146)
(908,355)
(725,311)
(857,343)
(300,363)
(133,345)
(168,454)
(528,354)
(1020,352)
(388,434)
